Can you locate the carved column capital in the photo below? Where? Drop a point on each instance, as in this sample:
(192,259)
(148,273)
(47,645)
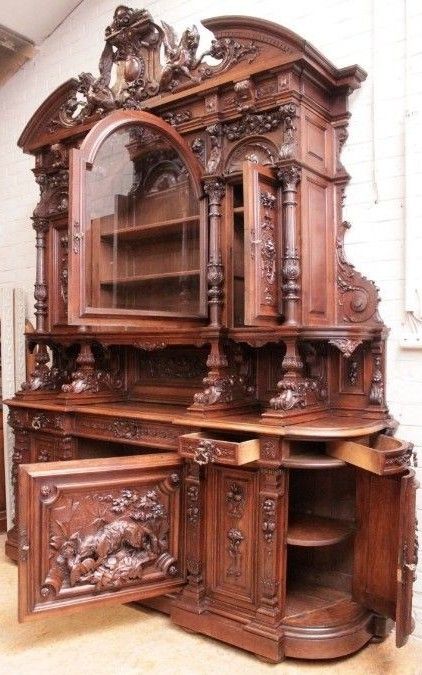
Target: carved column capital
(289,176)
(215,188)
(40,224)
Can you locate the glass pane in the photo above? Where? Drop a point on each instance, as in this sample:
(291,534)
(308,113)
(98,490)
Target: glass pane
(142,226)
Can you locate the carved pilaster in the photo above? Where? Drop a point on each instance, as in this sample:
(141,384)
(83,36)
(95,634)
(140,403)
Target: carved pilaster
(66,448)
(215,132)
(40,290)
(215,188)
(288,114)
(271,552)
(289,177)
(376,392)
(21,455)
(193,593)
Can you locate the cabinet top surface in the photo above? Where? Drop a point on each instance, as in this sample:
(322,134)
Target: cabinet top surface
(331,426)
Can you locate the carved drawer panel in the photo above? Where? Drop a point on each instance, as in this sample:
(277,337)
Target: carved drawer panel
(129,430)
(387,456)
(46,421)
(205,448)
(97,531)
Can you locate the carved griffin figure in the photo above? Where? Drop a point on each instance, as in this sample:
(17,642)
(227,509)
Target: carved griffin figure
(180,56)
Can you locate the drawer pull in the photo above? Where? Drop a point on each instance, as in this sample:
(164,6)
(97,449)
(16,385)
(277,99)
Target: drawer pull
(206,452)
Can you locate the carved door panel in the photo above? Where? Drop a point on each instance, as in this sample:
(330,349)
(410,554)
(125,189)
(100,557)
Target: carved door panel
(262,245)
(97,531)
(386,547)
(232,534)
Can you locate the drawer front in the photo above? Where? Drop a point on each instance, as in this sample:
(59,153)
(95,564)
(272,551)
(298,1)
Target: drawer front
(388,456)
(128,431)
(202,449)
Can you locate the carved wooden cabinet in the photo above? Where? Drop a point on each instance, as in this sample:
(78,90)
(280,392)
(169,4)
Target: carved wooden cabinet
(205,427)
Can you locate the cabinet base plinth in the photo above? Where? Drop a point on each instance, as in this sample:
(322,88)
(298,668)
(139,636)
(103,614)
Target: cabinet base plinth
(11,544)
(231,632)
(302,642)
(331,642)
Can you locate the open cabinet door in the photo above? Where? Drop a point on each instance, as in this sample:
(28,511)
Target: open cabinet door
(262,211)
(99,531)
(385,547)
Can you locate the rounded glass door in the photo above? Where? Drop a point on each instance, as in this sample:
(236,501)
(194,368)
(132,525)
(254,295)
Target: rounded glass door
(142,233)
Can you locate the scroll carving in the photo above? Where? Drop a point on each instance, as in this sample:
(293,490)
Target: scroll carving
(358,296)
(109,540)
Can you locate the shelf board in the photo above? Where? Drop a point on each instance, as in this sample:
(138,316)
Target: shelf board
(317,606)
(142,278)
(148,229)
(307,460)
(310,530)
(239,209)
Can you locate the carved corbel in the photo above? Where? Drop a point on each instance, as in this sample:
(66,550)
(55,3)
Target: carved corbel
(289,177)
(303,384)
(43,378)
(225,387)
(347,346)
(90,381)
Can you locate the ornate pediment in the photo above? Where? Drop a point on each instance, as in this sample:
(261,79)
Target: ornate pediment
(143,59)
(134,43)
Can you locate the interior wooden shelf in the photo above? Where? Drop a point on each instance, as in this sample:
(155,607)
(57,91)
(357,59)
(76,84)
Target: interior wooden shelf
(141,278)
(308,460)
(148,229)
(309,605)
(239,209)
(311,530)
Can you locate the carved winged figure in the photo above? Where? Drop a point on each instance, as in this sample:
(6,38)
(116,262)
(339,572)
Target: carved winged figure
(97,90)
(180,56)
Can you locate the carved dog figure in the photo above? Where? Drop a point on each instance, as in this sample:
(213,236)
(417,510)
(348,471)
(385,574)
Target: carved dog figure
(93,550)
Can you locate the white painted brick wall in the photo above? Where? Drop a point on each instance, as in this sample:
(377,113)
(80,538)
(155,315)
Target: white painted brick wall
(369,32)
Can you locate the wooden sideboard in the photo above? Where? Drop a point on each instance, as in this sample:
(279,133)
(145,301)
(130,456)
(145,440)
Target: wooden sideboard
(205,429)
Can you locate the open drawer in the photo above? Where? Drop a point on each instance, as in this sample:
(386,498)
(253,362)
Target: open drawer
(96,532)
(386,456)
(204,448)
